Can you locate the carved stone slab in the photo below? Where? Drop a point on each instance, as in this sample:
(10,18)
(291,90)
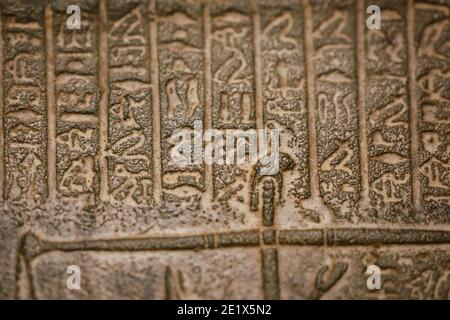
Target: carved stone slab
(87,118)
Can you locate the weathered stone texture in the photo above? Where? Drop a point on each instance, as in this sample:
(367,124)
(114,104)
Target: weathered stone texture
(86,124)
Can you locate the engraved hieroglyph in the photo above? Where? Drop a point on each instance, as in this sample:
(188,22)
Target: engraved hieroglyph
(129,105)
(233,91)
(181,86)
(391,180)
(76,99)
(433,102)
(87,118)
(283,85)
(24,100)
(336,106)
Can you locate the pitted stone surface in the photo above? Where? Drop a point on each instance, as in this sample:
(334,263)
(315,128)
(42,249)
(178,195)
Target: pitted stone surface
(86,177)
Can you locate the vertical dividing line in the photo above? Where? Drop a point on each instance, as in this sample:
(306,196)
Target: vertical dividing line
(156,117)
(51,107)
(259,112)
(209,185)
(269,255)
(258,67)
(361,73)
(312,136)
(103,107)
(413,117)
(2,132)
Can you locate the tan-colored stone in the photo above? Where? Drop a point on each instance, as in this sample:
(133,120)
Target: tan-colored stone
(86,176)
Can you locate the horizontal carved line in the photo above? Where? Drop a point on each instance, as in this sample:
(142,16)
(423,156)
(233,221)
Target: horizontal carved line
(32,246)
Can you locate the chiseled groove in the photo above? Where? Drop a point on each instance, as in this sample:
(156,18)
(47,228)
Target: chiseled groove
(2,137)
(103,105)
(269,256)
(311,100)
(313,237)
(51,107)
(33,246)
(386,237)
(349,236)
(258,67)
(242,238)
(413,116)
(209,186)
(269,266)
(361,73)
(156,117)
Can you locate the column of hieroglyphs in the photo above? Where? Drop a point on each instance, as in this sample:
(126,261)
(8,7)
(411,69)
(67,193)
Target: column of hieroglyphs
(24,109)
(77,98)
(129,105)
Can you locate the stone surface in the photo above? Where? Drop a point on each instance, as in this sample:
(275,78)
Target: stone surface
(86,118)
